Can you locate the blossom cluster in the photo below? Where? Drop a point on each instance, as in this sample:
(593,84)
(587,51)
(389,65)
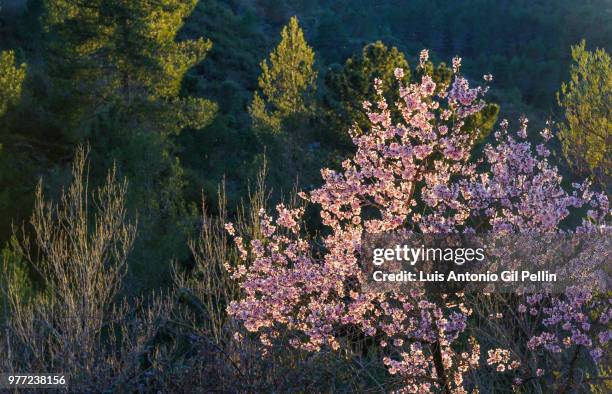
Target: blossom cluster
(500,358)
(418,174)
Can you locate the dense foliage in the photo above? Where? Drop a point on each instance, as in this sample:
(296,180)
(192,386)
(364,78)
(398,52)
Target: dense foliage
(586,134)
(287,82)
(10,81)
(178,98)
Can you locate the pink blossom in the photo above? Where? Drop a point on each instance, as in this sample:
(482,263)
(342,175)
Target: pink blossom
(423,57)
(456,64)
(413,174)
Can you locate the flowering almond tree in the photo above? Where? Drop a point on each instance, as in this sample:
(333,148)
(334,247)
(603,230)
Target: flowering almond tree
(416,175)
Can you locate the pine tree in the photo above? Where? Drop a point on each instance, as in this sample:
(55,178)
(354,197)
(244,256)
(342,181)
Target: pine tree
(349,86)
(121,69)
(126,49)
(287,81)
(11,80)
(586,133)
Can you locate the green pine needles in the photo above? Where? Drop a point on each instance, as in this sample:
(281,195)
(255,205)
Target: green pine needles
(287,81)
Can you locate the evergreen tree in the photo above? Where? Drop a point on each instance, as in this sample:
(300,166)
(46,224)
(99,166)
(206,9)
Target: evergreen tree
(282,112)
(122,70)
(13,270)
(349,86)
(11,80)
(586,133)
(228,76)
(126,49)
(287,82)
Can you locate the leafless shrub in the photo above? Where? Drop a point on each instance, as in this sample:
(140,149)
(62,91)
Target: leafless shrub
(208,288)
(79,247)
